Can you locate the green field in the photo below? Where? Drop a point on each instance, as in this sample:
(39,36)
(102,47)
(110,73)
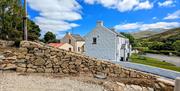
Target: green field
(153,62)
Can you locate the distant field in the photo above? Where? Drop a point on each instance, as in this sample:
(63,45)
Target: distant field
(153,62)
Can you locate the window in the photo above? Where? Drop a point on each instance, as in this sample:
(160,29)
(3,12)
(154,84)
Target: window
(79,49)
(94,40)
(69,41)
(69,49)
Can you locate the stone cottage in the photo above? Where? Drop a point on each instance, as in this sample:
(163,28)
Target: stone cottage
(105,43)
(75,40)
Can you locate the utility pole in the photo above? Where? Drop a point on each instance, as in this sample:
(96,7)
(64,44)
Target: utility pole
(25,21)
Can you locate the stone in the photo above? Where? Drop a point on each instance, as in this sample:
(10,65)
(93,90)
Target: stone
(100,75)
(144,89)
(2,57)
(30,65)
(120,84)
(49,65)
(30,70)
(78,62)
(162,85)
(21,65)
(136,88)
(39,61)
(48,70)
(11,58)
(40,70)
(10,67)
(133,74)
(21,60)
(20,69)
(21,56)
(157,86)
(150,89)
(56,70)
(64,65)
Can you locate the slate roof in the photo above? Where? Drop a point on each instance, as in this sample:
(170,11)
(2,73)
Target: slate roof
(77,37)
(118,34)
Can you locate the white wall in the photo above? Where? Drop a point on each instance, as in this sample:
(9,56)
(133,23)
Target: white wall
(106,44)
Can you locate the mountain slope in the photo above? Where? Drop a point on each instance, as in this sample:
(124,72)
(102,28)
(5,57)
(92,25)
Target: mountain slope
(146,33)
(169,35)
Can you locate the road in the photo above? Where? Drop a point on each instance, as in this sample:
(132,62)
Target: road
(150,69)
(170,59)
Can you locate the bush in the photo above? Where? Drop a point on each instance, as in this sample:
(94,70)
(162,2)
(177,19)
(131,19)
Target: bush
(152,51)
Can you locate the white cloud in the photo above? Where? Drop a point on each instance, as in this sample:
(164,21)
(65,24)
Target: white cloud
(55,15)
(141,26)
(166,3)
(144,5)
(154,18)
(175,15)
(123,5)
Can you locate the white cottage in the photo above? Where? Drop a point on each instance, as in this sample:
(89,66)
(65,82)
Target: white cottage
(104,43)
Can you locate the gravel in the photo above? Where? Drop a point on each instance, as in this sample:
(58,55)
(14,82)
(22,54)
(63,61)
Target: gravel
(15,82)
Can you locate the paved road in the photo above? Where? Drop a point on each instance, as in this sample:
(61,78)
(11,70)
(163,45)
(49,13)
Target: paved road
(150,69)
(170,59)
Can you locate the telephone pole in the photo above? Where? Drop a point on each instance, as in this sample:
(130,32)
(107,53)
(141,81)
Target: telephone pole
(25,21)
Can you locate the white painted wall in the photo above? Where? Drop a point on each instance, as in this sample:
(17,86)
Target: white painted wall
(106,43)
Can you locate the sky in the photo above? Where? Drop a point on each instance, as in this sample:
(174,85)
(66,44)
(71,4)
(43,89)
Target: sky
(80,16)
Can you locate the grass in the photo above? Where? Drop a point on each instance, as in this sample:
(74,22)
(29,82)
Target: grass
(135,58)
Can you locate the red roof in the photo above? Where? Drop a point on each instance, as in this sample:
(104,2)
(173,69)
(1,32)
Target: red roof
(56,44)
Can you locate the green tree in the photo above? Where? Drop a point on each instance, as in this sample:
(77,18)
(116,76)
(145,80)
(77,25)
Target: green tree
(11,15)
(130,37)
(49,37)
(176,45)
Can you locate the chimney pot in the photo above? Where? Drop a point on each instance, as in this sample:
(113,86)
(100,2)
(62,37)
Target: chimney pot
(99,23)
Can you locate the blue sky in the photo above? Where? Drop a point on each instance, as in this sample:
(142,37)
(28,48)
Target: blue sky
(80,16)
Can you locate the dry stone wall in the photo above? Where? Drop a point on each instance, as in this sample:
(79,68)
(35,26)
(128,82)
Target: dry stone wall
(4,43)
(40,58)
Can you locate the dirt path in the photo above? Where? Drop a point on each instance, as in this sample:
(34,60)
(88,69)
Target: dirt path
(15,82)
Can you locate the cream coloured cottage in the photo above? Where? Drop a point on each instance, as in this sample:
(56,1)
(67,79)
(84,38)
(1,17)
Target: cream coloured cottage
(75,40)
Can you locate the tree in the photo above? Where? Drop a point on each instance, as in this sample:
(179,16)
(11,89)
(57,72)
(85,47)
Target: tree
(176,45)
(11,15)
(130,37)
(49,37)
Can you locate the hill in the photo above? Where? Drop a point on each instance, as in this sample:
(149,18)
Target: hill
(146,33)
(169,35)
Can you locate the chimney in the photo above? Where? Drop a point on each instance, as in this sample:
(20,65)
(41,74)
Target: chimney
(99,23)
(68,33)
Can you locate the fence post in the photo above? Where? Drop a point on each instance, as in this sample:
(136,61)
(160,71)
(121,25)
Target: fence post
(177,84)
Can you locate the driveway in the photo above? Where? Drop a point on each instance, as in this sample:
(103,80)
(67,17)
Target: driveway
(150,69)
(170,59)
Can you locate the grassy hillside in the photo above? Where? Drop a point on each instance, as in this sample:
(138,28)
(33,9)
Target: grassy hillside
(143,34)
(169,35)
